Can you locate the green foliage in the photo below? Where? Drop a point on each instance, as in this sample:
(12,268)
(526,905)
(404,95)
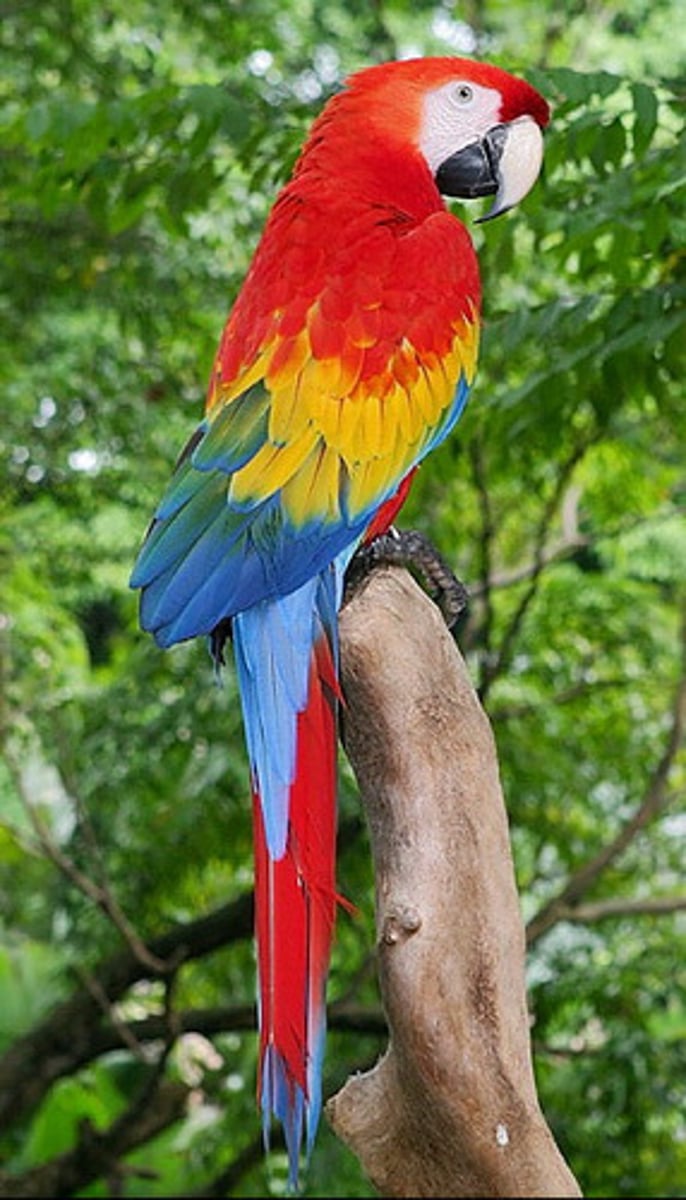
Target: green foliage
(142,145)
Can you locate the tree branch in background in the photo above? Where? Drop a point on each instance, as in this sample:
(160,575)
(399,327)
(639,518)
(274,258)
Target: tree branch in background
(654,801)
(494,665)
(160,1104)
(584,687)
(485,570)
(99,893)
(225,1183)
(64,1040)
(601,910)
(451,1109)
(228,1018)
(97,1153)
(555,551)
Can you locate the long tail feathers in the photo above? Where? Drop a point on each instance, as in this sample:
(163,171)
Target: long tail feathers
(295,902)
(287,662)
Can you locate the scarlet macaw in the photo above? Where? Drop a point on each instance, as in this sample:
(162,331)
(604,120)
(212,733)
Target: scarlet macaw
(348,355)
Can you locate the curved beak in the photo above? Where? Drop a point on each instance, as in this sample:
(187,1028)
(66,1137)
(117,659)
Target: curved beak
(505,163)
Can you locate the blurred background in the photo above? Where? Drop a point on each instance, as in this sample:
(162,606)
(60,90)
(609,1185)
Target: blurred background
(142,145)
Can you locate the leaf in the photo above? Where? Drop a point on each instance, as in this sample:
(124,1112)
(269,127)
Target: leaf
(92,1097)
(646,110)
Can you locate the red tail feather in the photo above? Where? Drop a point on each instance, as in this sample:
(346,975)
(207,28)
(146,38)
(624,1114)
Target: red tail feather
(295,902)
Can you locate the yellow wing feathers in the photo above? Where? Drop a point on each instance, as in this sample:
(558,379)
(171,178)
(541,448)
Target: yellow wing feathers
(338,423)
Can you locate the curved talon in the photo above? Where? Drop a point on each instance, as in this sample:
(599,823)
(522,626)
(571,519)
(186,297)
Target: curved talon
(220,635)
(410,548)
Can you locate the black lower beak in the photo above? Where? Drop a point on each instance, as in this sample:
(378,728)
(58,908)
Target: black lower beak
(475,170)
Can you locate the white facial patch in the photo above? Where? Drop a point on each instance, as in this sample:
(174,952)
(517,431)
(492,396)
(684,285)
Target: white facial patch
(456,114)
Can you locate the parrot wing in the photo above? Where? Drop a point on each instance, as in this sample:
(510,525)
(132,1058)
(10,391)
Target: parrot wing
(303,445)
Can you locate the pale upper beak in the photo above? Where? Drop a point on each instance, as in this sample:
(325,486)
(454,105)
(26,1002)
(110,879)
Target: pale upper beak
(505,163)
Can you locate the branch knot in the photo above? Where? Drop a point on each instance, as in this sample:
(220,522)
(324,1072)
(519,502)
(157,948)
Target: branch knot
(400,922)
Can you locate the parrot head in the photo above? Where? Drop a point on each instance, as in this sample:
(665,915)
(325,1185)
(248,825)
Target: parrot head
(477,128)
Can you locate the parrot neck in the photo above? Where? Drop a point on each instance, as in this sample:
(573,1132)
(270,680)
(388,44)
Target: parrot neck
(353,167)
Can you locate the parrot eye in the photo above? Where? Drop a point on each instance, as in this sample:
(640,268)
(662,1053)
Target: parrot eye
(463,94)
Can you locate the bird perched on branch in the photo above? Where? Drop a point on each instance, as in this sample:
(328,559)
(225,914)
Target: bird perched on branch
(348,356)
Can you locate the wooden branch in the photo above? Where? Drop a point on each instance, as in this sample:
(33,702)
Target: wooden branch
(451,1109)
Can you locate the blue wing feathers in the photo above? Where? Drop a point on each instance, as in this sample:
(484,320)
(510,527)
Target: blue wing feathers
(174,536)
(235,433)
(205,559)
(221,595)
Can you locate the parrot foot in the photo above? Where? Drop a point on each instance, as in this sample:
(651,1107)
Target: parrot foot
(220,635)
(410,548)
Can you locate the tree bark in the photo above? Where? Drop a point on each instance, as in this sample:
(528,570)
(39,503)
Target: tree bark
(451,1108)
